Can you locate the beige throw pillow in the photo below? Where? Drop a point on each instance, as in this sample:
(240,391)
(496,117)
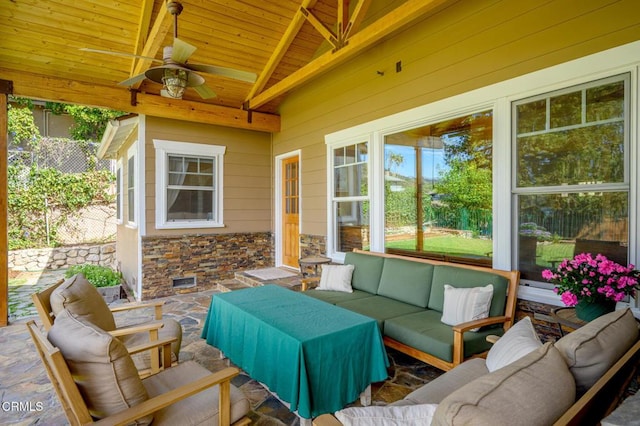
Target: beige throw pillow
(466,304)
(532,391)
(592,349)
(80,297)
(336,278)
(518,341)
(100,365)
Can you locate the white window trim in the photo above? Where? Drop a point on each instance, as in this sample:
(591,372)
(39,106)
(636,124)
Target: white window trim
(132,152)
(120,190)
(498,97)
(163,149)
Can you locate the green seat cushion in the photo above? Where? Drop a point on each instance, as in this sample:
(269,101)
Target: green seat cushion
(424,331)
(367,271)
(335,297)
(380,308)
(465,278)
(406,281)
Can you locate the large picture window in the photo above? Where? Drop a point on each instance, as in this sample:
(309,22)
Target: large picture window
(438,190)
(350,201)
(571,182)
(189,177)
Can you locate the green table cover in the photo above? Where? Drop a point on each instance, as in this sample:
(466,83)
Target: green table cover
(316,356)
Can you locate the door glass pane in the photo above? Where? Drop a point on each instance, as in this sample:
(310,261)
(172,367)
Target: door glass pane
(438,190)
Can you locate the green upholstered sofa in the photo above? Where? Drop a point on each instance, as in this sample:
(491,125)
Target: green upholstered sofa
(406,296)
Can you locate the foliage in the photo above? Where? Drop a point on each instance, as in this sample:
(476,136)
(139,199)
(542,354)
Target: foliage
(34,193)
(21,125)
(99,276)
(89,122)
(466,185)
(592,279)
(531,229)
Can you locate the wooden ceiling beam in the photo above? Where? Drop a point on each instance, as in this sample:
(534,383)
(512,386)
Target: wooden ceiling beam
(281,48)
(356,18)
(406,13)
(157,35)
(320,27)
(143,30)
(117,98)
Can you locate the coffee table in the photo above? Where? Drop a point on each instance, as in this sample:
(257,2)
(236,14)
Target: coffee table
(315,356)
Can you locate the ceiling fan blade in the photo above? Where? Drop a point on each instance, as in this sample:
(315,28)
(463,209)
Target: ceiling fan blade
(225,72)
(181,51)
(133,80)
(123,54)
(205,91)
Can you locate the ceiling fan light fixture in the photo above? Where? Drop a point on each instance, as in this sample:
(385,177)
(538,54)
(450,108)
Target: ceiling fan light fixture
(175,81)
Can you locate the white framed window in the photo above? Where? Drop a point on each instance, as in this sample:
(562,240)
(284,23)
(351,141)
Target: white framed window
(131,185)
(188,185)
(590,104)
(349,199)
(119,190)
(571,174)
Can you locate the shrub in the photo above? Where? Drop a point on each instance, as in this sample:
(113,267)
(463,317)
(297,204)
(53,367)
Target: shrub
(99,276)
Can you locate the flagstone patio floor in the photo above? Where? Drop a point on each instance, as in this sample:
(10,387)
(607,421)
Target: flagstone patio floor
(23,378)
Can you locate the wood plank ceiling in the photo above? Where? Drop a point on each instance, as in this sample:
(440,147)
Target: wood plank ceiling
(284,42)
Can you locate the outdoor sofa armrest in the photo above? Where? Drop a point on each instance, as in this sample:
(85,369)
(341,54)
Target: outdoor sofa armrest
(156,305)
(151,327)
(460,329)
(222,378)
(165,344)
(306,281)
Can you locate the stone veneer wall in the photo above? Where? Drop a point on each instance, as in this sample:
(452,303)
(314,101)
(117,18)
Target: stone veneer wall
(62,257)
(210,258)
(312,245)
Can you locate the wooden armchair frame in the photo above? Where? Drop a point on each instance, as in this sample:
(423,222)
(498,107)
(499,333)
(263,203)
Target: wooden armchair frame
(77,412)
(42,302)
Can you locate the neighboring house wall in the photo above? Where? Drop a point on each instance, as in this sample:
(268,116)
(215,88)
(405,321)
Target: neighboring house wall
(210,254)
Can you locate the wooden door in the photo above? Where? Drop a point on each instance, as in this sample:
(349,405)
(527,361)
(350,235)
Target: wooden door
(290,212)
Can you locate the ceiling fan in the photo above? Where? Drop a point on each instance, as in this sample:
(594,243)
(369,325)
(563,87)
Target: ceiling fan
(175,73)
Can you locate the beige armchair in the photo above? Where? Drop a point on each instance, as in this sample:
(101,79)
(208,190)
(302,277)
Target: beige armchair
(96,381)
(81,298)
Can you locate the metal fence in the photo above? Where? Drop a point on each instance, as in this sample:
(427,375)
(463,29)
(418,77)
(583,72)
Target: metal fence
(92,224)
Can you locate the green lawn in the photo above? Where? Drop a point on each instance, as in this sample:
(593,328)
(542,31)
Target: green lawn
(548,254)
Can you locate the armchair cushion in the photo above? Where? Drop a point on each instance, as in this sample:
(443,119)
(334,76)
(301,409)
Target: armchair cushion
(101,366)
(82,299)
(593,348)
(199,409)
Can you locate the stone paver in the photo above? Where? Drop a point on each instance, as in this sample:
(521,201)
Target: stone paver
(23,379)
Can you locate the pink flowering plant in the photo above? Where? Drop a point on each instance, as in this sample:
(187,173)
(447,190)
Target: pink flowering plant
(592,279)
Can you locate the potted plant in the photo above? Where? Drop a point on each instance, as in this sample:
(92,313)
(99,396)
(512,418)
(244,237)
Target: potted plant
(592,284)
(107,281)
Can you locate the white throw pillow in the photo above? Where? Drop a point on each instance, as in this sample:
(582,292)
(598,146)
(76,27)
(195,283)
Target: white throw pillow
(409,415)
(336,278)
(520,340)
(466,304)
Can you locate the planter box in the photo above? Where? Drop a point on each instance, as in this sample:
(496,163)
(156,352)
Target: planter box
(111,294)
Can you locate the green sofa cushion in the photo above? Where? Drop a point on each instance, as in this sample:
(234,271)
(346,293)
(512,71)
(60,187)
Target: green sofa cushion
(380,308)
(460,277)
(367,271)
(406,281)
(424,331)
(335,297)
